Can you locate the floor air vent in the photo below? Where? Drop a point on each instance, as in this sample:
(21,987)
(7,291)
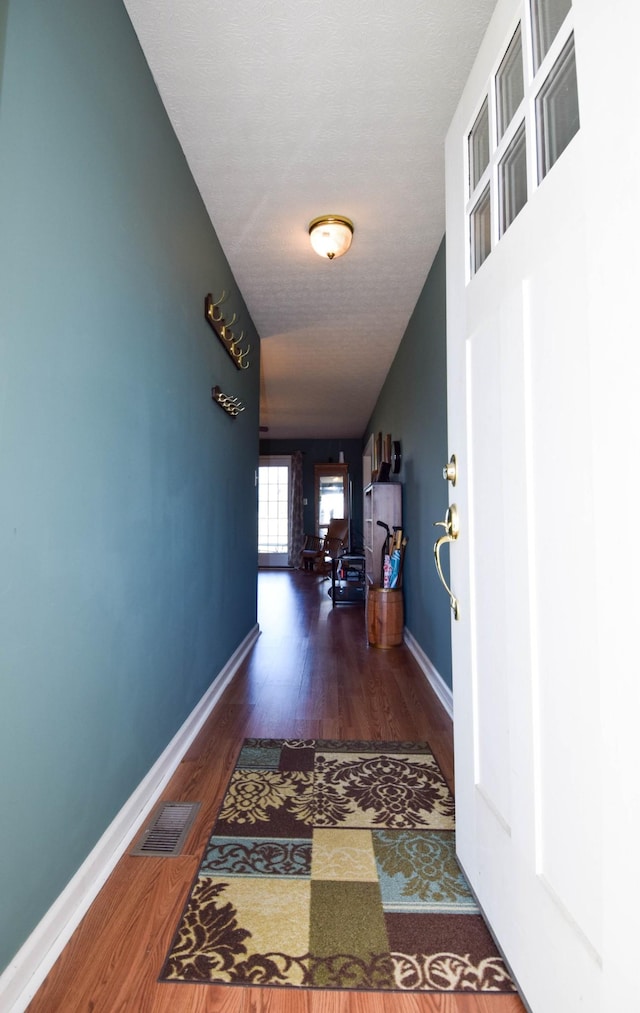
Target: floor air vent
(168,829)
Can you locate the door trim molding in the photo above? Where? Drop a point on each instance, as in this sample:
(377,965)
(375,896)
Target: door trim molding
(435,680)
(33,961)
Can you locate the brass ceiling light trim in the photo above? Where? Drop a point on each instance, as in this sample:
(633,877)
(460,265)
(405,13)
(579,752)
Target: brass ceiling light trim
(331,235)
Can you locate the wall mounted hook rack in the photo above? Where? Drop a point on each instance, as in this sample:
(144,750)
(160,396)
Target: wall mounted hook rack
(232,405)
(230,342)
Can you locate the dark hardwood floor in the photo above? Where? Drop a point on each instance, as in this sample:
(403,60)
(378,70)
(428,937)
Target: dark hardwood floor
(310,675)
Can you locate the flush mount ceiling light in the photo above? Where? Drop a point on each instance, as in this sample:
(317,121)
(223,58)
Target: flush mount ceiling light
(331,235)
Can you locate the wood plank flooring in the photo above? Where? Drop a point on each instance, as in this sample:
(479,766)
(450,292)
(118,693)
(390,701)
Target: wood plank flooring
(310,675)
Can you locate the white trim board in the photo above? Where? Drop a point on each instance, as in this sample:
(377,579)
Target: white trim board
(31,964)
(435,680)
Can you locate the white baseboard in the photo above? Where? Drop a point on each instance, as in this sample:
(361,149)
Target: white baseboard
(435,680)
(31,964)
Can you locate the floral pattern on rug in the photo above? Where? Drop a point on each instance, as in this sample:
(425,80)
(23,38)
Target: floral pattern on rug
(419,872)
(252,794)
(332,865)
(386,790)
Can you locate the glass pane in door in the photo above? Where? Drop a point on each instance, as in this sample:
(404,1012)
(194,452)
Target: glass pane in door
(273,515)
(509,83)
(480,224)
(546,18)
(557,113)
(512,180)
(331,495)
(479,146)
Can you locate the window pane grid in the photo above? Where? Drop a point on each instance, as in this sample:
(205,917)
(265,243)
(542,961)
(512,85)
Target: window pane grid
(527,118)
(273,500)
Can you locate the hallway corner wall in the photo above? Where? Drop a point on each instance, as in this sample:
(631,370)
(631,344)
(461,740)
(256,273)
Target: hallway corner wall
(128,497)
(412,406)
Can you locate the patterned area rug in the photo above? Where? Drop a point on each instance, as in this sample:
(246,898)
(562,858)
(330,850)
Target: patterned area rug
(332,865)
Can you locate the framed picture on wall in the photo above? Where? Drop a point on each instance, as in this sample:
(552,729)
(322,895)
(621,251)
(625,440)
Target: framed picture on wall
(367,462)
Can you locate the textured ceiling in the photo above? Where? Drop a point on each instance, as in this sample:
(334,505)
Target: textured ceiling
(288,109)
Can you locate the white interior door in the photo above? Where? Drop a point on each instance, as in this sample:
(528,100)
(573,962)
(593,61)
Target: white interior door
(525,648)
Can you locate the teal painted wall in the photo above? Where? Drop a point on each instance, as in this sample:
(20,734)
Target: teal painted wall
(4,10)
(128,505)
(413,407)
(320,452)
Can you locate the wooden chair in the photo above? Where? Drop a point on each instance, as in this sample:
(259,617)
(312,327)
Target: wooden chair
(312,551)
(316,550)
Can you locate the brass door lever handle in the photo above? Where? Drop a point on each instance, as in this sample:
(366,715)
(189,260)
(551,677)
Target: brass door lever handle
(452,529)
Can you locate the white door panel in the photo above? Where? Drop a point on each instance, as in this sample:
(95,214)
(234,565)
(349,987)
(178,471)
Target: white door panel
(488,590)
(566,713)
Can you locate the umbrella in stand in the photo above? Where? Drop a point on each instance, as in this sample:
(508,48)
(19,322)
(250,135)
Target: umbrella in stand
(385,549)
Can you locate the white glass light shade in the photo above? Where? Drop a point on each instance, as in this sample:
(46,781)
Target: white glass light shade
(331,235)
